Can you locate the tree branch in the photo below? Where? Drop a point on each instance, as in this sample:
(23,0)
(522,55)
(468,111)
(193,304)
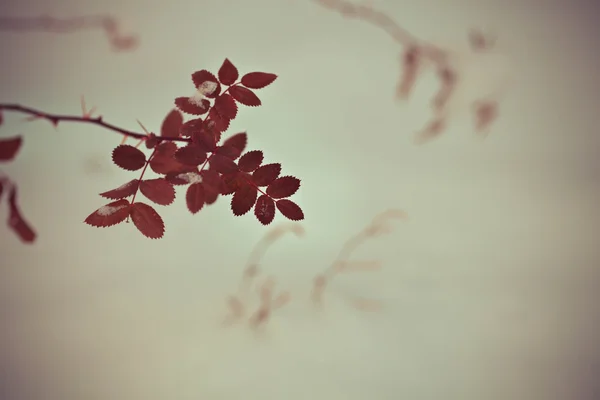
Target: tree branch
(86,119)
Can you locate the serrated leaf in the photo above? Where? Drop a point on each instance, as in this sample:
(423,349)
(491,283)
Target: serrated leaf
(109,214)
(258,80)
(228,73)
(236,144)
(151,141)
(196,107)
(163,161)
(147,220)
(195,197)
(158,190)
(213,185)
(226,107)
(218,123)
(290,210)
(264,209)
(222,164)
(206,83)
(189,128)
(250,161)
(20,226)
(128,157)
(266,174)
(283,187)
(243,199)
(10,147)
(244,96)
(191,154)
(171,124)
(231,183)
(183,178)
(125,190)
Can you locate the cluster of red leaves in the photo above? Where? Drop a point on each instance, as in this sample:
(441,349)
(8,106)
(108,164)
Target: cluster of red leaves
(206,166)
(8,150)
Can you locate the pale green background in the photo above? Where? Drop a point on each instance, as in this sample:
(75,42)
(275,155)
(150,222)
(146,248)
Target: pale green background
(490,288)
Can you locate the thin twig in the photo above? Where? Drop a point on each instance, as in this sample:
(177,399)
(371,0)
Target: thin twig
(414,52)
(378,226)
(98,121)
(400,35)
(49,24)
(237,304)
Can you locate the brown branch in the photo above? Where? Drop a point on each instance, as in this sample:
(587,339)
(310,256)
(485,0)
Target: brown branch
(49,24)
(54,119)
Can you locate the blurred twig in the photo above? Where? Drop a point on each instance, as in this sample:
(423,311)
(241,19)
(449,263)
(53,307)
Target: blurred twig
(415,54)
(379,226)
(48,24)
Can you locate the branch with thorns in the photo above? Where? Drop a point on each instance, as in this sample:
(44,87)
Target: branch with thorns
(416,54)
(49,24)
(85,118)
(17,222)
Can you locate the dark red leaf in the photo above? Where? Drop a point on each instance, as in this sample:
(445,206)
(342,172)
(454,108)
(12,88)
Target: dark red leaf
(171,124)
(265,209)
(206,83)
(191,127)
(266,174)
(231,182)
(128,157)
(9,147)
(147,220)
(228,73)
(193,106)
(16,221)
(290,210)
(283,187)
(195,197)
(226,106)
(228,151)
(213,185)
(151,141)
(244,96)
(191,154)
(222,164)
(250,161)
(243,199)
(109,214)
(258,80)
(163,161)
(125,190)
(183,178)
(219,123)
(234,146)
(158,190)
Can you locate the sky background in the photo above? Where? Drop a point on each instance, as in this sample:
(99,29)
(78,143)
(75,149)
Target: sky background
(489,290)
